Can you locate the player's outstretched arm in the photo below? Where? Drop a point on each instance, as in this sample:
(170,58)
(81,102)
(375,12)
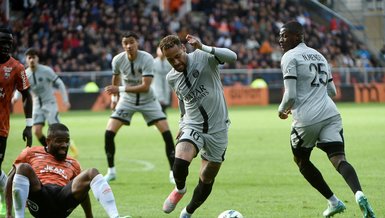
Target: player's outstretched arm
(27,105)
(288,99)
(223,54)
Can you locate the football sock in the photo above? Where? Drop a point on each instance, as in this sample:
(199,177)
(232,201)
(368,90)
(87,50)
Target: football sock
(180,169)
(103,193)
(109,147)
(201,192)
(20,190)
(111,170)
(3,181)
(314,177)
(170,147)
(358,195)
(350,176)
(42,141)
(333,200)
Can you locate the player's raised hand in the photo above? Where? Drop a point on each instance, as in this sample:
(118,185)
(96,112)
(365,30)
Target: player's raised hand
(194,41)
(27,135)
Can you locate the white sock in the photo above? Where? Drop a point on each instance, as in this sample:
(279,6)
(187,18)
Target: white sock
(20,190)
(182,191)
(3,181)
(111,170)
(103,193)
(333,200)
(358,195)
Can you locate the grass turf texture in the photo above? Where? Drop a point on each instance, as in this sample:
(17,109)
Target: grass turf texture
(258,177)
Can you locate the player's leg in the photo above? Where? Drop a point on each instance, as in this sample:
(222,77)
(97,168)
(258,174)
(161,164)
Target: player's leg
(92,179)
(39,119)
(24,181)
(332,143)
(213,154)
(163,128)
(152,113)
(113,126)
(302,142)
(185,152)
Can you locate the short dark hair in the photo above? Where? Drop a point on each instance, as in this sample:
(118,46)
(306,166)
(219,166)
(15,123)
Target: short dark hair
(294,27)
(169,42)
(130,34)
(56,127)
(31,52)
(6,34)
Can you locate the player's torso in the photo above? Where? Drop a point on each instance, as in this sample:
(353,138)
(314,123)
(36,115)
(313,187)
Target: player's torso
(9,76)
(201,90)
(132,72)
(41,80)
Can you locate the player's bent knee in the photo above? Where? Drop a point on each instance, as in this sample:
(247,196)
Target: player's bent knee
(23,168)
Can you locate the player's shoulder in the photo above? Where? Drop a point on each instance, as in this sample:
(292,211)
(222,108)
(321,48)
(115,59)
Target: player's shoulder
(119,57)
(145,55)
(16,64)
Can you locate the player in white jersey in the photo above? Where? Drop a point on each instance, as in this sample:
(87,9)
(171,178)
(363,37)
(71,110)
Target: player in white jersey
(316,121)
(132,77)
(204,122)
(43,80)
(161,87)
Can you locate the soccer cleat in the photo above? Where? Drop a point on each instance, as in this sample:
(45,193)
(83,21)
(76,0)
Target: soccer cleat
(110,177)
(332,210)
(365,207)
(185,214)
(171,178)
(172,200)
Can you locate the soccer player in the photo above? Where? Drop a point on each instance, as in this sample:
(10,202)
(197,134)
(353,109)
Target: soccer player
(316,121)
(161,87)
(53,183)
(204,120)
(12,76)
(132,77)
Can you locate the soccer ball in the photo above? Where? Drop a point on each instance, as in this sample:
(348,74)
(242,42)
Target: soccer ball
(230,214)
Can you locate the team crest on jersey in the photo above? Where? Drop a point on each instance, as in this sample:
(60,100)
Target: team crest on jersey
(195,73)
(32,205)
(7,72)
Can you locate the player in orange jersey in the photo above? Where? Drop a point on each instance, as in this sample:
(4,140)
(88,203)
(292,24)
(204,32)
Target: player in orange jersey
(12,76)
(52,184)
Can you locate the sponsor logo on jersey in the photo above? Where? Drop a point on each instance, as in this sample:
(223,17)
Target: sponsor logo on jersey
(53,169)
(7,72)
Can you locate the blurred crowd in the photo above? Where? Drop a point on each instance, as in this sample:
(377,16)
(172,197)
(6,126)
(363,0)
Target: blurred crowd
(84,35)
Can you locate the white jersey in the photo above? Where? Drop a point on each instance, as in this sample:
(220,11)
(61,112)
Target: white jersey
(131,73)
(42,80)
(161,87)
(312,72)
(201,91)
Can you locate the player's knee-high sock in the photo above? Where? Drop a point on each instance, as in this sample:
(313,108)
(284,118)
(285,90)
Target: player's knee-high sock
(42,140)
(103,193)
(314,177)
(20,190)
(347,171)
(201,192)
(180,170)
(170,147)
(109,147)
(3,181)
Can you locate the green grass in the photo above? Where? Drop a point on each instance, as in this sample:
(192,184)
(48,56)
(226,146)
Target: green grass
(258,178)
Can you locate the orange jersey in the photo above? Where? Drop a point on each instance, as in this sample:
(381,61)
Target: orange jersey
(12,76)
(47,168)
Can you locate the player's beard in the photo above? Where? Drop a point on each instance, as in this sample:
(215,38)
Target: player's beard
(59,153)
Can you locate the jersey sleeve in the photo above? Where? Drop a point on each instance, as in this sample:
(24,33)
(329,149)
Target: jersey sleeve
(148,66)
(22,82)
(23,157)
(289,67)
(115,66)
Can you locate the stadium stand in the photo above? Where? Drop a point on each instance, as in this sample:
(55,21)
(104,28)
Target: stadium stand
(84,35)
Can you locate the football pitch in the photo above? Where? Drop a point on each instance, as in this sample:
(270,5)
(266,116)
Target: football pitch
(258,178)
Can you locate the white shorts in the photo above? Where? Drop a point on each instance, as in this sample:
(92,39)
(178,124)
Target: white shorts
(211,146)
(151,112)
(49,111)
(329,130)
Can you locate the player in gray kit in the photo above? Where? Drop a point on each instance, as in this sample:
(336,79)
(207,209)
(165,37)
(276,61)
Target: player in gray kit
(43,79)
(204,122)
(131,84)
(316,121)
(161,87)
